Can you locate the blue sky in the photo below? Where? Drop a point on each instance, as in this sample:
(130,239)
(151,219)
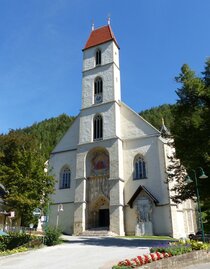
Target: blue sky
(41,57)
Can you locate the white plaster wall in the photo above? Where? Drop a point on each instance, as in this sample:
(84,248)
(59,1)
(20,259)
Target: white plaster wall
(109,52)
(162,220)
(148,147)
(152,150)
(108,112)
(117,83)
(65,219)
(159,214)
(107,75)
(70,139)
(108,71)
(57,161)
(133,125)
(63,196)
(182,214)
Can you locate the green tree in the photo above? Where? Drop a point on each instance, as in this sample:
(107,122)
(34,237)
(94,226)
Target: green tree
(191,129)
(22,173)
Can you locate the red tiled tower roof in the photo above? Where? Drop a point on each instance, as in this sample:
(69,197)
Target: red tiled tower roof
(100,36)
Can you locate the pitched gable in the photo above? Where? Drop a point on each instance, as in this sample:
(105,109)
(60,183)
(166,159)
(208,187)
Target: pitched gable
(70,140)
(134,126)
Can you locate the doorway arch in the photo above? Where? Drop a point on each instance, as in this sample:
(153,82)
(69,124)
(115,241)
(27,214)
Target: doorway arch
(97,188)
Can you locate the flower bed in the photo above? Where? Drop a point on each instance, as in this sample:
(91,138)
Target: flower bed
(141,260)
(174,249)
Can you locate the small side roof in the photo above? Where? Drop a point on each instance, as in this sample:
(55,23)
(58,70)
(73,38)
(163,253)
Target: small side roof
(100,36)
(141,188)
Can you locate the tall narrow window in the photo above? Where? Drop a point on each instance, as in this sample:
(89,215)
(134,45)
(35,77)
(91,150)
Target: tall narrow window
(98,57)
(65,178)
(139,168)
(97,127)
(98,90)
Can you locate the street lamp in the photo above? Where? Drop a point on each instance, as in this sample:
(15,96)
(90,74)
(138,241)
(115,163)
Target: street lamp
(60,209)
(188,180)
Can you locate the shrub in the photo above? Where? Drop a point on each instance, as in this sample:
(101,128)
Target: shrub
(52,236)
(197,245)
(35,241)
(2,244)
(13,240)
(13,251)
(16,240)
(181,247)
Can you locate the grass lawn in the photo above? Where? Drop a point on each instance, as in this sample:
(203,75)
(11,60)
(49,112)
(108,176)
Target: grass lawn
(150,237)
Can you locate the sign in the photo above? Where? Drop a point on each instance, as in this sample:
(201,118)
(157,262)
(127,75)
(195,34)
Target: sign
(37,212)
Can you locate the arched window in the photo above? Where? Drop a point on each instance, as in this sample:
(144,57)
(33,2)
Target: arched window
(98,57)
(97,127)
(65,178)
(98,90)
(139,168)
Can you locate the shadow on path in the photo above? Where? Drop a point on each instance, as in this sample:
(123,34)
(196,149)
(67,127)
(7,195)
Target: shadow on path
(116,242)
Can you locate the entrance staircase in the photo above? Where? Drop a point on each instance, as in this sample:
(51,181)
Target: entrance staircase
(103,231)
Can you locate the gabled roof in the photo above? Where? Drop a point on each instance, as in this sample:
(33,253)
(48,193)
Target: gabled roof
(141,188)
(100,36)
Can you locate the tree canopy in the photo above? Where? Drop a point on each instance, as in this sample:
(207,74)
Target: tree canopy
(191,131)
(23,156)
(22,173)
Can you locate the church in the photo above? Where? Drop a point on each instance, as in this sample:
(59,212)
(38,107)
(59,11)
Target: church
(110,166)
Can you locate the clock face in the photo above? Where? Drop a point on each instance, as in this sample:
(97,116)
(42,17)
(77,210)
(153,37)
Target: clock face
(98,99)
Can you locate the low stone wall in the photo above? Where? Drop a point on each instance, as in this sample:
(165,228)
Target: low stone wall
(180,261)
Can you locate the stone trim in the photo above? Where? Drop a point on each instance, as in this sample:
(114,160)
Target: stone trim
(100,141)
(64,203)
(62,151)
(136,193)
(116,179)
(116,205)
(101,104)
(81,178)
(98,66)
(80,202)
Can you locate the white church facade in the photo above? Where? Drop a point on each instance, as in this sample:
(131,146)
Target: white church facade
(111,164)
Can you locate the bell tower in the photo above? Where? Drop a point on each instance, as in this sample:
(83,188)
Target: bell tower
(100,131)
(101,71)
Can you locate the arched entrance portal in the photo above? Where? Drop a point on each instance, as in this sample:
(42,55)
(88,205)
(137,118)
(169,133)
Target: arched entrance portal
(97,191)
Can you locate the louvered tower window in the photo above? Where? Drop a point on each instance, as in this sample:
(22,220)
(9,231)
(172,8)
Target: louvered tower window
(98,127)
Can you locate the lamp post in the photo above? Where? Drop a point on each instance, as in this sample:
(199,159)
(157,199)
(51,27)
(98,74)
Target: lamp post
(202,176)
(60,208)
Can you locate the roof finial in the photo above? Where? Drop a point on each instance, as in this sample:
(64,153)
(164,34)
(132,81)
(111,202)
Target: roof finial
(92,27)
(164,130)
(109,19)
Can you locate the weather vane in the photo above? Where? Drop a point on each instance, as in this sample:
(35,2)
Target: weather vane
(109,19)
(92,27)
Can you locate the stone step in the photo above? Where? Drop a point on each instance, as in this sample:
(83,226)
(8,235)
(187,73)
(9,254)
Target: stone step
(97,232)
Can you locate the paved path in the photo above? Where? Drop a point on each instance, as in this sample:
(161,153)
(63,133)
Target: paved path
(80,252)
(199,266)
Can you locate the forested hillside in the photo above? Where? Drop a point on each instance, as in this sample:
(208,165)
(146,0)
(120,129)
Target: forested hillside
(156,114)
(49,132)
